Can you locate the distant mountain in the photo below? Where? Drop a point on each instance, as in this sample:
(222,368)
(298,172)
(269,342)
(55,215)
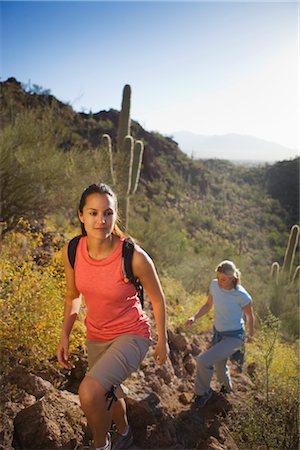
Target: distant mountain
(233,147)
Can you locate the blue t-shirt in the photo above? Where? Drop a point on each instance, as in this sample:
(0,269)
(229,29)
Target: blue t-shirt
(228,306)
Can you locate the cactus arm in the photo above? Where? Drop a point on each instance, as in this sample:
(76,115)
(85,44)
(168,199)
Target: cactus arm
(124,117)
(296,276)
(124,167)
(136,165)
(123,211)
(108,159)
(275,272)
(290,250)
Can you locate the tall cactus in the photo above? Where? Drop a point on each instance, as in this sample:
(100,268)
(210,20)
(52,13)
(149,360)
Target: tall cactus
(124,165)
(286,272)
(290,250)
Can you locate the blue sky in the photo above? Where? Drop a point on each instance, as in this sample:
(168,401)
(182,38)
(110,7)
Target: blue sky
(205,67)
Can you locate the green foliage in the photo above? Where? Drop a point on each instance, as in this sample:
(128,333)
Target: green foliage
(181,306)
(32,302)
(33,169)
(269,417)
(282,182)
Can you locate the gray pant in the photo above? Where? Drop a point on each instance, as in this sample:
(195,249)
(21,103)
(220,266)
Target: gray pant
(216,356)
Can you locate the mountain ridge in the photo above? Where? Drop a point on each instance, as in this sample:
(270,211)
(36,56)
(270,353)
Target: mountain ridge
(232,146)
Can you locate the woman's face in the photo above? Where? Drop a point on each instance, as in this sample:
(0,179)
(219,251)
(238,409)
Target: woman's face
(99,215)
(225,281)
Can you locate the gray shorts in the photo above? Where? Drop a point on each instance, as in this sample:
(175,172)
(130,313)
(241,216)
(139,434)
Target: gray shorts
(110,363)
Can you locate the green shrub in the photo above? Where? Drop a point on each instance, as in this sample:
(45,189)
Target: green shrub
(31,303)
(37,177)
(268,419)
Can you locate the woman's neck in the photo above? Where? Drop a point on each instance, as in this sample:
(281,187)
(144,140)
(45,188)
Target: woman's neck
(101,248)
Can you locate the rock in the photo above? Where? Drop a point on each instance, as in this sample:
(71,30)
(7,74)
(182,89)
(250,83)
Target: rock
(184,398)
(12,400)
(190,364)
(227,438)
(217,405)
(30,383)
(178,341)
(56,377)
(243,382)
(53,422)
(195,349)
(190,428)
(77,374)
(153,405)
(213,444)
(251,369)
(166,372)
(181,387)
(158,404)
(156,386)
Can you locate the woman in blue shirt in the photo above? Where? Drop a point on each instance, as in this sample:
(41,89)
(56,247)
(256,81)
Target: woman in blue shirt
(231,302)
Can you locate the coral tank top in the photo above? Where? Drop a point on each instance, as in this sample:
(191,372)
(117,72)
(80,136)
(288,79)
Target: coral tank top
(112,305)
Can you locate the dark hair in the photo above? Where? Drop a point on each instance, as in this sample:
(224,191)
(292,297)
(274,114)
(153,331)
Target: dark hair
(102,189)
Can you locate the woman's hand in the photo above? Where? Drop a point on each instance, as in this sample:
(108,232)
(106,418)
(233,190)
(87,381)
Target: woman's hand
(161,352)
(190,321)
(62,352)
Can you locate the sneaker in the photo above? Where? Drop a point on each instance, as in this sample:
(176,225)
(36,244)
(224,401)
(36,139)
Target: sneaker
(225,390)
(108,445)
(124,441)
(201,400)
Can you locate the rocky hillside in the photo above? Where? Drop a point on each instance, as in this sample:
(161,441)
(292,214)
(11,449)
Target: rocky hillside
(188,215)
(211,201)
(41,411)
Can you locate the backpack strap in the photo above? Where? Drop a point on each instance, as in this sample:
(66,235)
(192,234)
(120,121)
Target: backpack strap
(127,254)
(72,247)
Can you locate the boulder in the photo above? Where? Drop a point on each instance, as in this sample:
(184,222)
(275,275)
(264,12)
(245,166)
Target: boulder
(178,341)
(20,377)
(9,409)
(189,364)
(56,421)
(166,372)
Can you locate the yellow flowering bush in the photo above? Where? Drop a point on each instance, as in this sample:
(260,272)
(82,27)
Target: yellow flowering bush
(181,305)
(31,301)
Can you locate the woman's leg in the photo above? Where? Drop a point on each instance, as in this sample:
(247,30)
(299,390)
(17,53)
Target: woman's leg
(94,406)
(119,415)
(205,362)
(223,373)
(117,361)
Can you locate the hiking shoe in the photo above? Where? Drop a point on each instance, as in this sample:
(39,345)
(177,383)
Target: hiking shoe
(225,390)
(108,444)
(201,400)
(124,441)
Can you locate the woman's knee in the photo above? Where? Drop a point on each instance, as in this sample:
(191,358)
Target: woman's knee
(204,361)
(90,391)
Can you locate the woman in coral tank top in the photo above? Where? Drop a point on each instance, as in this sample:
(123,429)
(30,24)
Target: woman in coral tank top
(118,330)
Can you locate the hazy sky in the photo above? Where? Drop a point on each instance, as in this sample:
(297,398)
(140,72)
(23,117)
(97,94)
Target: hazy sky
(205,67)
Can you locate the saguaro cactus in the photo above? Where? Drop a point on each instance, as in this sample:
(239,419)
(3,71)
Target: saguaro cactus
(124,165)
(285,274)
(290,250)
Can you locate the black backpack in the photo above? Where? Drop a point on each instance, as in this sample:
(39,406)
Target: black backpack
(127,253)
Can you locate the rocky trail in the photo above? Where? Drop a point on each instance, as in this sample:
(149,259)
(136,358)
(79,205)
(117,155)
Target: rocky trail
(41,411)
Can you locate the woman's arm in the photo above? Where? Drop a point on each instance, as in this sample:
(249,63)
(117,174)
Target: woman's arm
(72,307)
(202,311)
(144,269)
(250,320)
